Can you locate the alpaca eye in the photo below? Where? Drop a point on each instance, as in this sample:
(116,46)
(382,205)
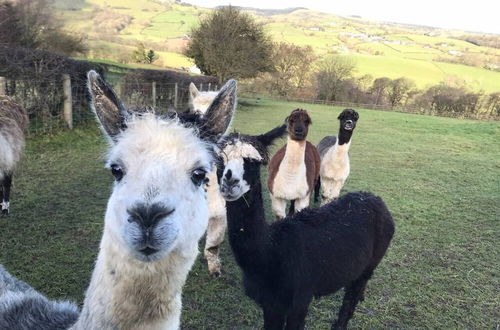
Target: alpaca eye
(199,176)
(117,171)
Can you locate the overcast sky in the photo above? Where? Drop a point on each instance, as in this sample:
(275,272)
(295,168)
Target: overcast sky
(477,15)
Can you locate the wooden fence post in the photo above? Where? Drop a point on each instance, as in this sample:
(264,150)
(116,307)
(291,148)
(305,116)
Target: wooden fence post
(3,86)
(176,89)
(153,86)
(209,86)
(201,87)
(68,101)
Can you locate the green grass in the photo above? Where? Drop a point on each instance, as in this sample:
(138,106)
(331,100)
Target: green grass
(440,178)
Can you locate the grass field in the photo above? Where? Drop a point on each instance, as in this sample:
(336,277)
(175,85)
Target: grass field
(440,178)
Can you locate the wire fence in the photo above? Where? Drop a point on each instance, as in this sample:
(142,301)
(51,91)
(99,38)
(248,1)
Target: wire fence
(51,107)
(381,107)
(57,104)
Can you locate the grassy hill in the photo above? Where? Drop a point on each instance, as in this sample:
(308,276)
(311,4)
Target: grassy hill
(425,55)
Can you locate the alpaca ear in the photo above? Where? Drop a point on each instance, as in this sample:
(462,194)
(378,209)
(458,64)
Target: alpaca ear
(193,91)
(356,115)
(268,138)
(110,112)
(219,114)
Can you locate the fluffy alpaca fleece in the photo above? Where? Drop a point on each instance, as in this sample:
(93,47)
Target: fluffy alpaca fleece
(294,169)
(199,101)
(312,253)
(217,221)
(334,152)
(13,123)
(155,216)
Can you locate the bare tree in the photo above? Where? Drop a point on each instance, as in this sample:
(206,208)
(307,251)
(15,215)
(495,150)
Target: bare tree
(292,65)
(399,90)
(31,24)
(332,71)
(379,88)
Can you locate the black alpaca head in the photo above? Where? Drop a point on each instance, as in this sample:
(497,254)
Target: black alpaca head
(241,156)
(348,119)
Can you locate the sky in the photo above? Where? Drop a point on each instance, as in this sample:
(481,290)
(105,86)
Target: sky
(476,16)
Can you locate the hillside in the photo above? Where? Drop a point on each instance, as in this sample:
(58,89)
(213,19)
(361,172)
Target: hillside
(423,54)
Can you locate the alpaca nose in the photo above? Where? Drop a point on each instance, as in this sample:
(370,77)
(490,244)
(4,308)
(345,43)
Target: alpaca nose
(149,215)
(229,186)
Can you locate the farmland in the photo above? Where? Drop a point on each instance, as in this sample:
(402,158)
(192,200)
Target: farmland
(427,56)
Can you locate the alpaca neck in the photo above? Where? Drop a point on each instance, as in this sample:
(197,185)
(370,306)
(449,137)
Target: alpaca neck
(125,293)
(344,136)
(294,154)
(248,230)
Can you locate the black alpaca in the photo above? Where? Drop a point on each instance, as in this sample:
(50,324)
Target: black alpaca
(313,253)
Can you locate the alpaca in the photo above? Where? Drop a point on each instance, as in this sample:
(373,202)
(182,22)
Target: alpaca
(13,123)
(334,153)
(312,253)
(155,216)
(294,169)
(217,222)
(199,101)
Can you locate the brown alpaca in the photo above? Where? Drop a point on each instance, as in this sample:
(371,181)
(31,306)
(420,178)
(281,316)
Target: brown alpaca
(13,122)
(294,169)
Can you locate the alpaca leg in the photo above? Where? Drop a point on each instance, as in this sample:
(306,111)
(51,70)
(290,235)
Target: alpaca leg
(279,207)
(337,186)
(317,189)
(353,294)
(297,318)
(215,235)
(6,184)
(331,190)
(302,203)
(273,320)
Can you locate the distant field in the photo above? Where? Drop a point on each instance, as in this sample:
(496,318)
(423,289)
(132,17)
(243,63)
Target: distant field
(404,52)
(426,73)
(440,178)
(165,59)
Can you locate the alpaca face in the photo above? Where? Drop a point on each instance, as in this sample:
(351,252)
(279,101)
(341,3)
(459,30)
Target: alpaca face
(242,155)
(199,101)
(298,124)
(239,158)
(348,119)
(158,203)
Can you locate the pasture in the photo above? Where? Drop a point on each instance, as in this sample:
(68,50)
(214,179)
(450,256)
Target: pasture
(440,178)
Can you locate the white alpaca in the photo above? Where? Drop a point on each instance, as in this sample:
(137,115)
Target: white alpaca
(155,216)
(217,221)
(334,152)
(199,101)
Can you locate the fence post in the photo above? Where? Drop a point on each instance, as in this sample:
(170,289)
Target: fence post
(68,101)
(175,96)
(153,87)
(201,87)
(209,86)
(3,86)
